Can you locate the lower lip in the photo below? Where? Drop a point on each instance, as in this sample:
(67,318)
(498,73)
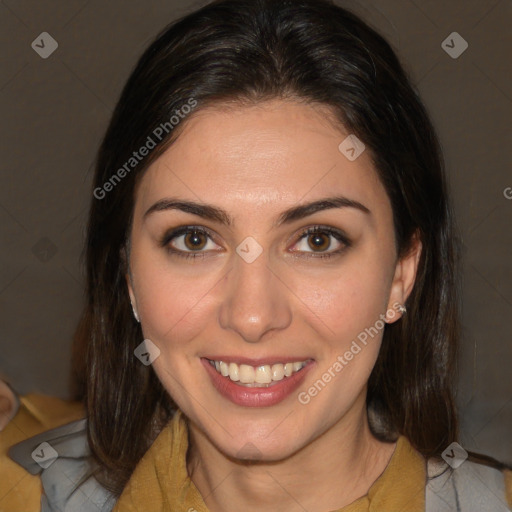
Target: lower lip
(256,397)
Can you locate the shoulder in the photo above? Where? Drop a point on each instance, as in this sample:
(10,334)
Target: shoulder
(34,413)
(472,485)
(44,454)
(61,458)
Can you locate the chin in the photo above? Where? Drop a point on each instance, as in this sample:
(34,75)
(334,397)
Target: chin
(259,449)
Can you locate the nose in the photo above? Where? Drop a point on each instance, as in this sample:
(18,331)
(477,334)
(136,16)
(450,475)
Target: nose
(256,301)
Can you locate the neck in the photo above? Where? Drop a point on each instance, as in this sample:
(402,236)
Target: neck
(340,465)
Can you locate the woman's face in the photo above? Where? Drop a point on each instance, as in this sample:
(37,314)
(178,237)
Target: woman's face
(260,294)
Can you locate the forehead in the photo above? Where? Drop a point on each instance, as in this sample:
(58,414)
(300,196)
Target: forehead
(274,153)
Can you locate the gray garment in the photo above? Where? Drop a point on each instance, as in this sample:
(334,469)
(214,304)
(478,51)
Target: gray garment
(472,487)
(60,475)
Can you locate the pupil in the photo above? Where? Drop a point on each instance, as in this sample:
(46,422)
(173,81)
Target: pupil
(319,241)
(195,238)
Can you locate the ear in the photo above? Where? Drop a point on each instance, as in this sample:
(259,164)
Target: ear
(405,276)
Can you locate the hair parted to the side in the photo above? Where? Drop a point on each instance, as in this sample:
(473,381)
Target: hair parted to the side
(250,51)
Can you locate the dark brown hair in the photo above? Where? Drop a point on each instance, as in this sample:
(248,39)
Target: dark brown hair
(251,51)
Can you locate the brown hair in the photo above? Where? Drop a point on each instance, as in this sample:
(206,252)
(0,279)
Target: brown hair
(254,50)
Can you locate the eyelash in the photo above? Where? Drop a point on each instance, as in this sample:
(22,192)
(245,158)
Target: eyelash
(338,235)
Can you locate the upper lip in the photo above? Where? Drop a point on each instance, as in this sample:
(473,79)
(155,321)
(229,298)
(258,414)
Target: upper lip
(259,361)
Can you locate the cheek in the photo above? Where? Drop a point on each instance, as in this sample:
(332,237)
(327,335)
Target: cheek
(349,298)
(347,311)
(175,309)
(173,305)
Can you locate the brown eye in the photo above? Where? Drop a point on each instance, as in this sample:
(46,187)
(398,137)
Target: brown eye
(195,240)
(315,242)
(319,241)
(188,242)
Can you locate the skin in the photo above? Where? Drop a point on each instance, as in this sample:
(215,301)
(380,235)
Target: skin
(255,162)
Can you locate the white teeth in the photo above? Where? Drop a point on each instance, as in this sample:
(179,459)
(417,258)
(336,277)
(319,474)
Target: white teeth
(264,374)
(297,366)
(277,372)
(246,373)
(224,370)
(233,372)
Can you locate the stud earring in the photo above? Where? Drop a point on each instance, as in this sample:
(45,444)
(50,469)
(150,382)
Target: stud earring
(402,309)
(135,312)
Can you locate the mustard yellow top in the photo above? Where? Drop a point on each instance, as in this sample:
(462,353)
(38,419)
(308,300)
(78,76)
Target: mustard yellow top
(161,482)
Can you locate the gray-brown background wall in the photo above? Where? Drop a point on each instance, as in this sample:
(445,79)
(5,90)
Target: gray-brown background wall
(55,111)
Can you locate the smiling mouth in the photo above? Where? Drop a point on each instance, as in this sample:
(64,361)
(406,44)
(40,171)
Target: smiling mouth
(257,376)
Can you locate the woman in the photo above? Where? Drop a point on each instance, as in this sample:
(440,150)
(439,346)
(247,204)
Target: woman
(272,316)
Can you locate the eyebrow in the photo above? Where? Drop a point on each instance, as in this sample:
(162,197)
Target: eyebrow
(216,214)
